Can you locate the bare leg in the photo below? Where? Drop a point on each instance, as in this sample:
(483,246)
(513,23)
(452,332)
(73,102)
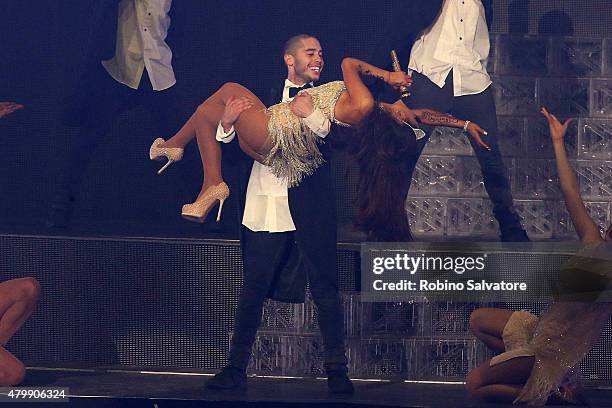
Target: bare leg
(488,324)
(500,383)
(251,127)
(18,298)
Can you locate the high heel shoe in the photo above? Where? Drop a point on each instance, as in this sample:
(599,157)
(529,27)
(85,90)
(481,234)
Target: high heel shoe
(198,210)
(173,154)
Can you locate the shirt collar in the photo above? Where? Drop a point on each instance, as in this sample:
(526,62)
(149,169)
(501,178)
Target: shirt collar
(289,84)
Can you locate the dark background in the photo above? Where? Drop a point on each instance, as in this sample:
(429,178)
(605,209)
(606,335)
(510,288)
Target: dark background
(41,45)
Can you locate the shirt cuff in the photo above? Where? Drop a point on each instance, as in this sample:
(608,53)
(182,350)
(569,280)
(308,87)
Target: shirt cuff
(318,123)
(223,136)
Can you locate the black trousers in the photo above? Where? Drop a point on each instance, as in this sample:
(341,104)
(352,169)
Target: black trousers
(93,107)
(265,256)
(479,108)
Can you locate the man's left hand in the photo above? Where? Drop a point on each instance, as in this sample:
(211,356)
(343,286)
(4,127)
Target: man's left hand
(302,105)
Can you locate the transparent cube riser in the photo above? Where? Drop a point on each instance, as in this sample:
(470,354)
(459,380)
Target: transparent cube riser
(414,359)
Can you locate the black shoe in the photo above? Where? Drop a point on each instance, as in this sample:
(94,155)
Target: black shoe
(227,379)
(339,383)
(61,212)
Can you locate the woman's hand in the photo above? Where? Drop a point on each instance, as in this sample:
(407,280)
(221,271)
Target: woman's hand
(8,107)
(398,79)
(557,130)
(477,132)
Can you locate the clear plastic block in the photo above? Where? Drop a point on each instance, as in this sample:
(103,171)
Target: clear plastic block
(471,217)
(396,318)
(522,55)
(444,359)
(515,95)
(595,179)
(282,316)
(595,139)
(287,354)
(427,216)
(564,96)
(379,357)
(448,141)
(577,57)
(601,98)
(537,218)
(536,179)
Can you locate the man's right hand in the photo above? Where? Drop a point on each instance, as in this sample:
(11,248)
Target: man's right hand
(8,107)
(233,108)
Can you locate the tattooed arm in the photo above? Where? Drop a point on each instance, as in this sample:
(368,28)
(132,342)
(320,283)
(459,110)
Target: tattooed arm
(434,118)
(357,102)
(403,115)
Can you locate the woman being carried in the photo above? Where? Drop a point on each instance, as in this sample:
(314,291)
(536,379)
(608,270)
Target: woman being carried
(540,356)
(275,136)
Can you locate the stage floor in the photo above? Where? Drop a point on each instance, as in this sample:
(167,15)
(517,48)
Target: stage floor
(112,387)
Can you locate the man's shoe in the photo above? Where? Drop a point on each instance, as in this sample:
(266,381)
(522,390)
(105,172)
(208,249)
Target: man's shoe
(227,379)
(339,383)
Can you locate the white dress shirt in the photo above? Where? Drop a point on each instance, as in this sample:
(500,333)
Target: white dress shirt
(458,41)
(267,205)
(141,33)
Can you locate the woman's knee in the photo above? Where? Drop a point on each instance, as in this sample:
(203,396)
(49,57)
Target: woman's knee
(232,87)
(29,289)
(21,289)
(12,374)
(477,318)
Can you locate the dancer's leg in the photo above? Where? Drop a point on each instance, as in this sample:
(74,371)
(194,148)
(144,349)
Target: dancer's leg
(502,382)
(251,127)
(487,324)
(18,298)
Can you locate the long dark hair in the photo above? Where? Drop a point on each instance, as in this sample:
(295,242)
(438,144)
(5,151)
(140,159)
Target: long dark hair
(384,153)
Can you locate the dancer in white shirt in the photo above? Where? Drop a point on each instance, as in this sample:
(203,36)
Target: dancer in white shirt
(128,63)
(448,63)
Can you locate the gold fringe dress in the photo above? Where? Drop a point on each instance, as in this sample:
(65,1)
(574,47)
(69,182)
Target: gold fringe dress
(294,152)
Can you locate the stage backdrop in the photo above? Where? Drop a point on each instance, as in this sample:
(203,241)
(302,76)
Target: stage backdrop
(42,43)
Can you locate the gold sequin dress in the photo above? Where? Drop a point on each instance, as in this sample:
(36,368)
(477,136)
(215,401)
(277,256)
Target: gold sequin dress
(563,335)
(294,151)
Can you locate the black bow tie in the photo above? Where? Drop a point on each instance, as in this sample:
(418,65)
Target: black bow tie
(294,90)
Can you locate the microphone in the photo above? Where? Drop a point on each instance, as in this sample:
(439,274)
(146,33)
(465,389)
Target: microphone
(397,68)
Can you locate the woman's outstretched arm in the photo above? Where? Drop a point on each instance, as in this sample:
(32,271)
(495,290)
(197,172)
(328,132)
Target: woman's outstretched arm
(404,115)
(357,103)
(585,227)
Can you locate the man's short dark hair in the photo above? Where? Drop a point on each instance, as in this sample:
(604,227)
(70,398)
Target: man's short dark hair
(294,43)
